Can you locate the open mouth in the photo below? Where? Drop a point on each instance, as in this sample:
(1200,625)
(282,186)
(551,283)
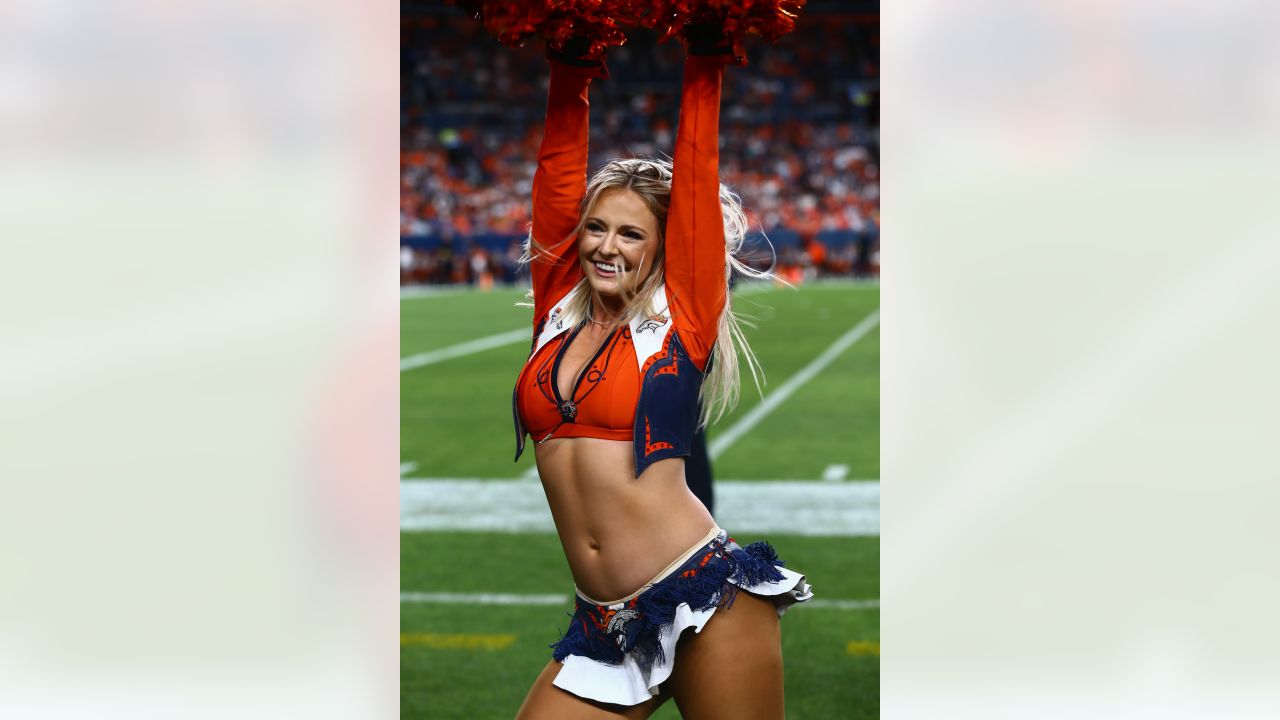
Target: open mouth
(607,270)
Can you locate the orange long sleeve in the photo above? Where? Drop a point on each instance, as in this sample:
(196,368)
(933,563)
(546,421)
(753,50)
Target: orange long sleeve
(559,184)
(695,244)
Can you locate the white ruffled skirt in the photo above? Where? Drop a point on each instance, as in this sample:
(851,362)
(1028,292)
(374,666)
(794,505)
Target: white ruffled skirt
(621,652)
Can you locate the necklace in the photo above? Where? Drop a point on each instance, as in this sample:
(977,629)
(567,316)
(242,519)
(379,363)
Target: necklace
(611,322)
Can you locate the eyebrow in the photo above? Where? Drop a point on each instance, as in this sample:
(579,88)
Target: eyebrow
(620,227)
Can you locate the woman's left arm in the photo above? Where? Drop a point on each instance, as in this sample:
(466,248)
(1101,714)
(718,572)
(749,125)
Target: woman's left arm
(695,243)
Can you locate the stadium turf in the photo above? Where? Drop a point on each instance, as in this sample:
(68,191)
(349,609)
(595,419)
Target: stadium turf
(477,661)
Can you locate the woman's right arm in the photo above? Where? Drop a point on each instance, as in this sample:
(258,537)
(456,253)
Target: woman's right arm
(559,184)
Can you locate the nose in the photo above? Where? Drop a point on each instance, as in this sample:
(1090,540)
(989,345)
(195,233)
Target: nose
(609,246)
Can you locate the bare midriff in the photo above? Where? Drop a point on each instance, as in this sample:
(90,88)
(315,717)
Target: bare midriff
(618,531)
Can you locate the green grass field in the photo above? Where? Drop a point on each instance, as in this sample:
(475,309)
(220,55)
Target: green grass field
(477,661)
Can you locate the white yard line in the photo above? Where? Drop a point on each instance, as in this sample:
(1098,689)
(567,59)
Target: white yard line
(790,507)
(466,348)
(770,403)
(445,598)
(414,292)
(752,287)
(756,287)
(833,473)
(417,292)
(838,604)
(408,467)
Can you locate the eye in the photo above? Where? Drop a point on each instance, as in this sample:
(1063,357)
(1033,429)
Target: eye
(633,235)
(594,227)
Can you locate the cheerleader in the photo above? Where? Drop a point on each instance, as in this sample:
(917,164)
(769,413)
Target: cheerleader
(632,329)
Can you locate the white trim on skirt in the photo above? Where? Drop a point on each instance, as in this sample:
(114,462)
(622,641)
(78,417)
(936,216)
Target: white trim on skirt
(628,683)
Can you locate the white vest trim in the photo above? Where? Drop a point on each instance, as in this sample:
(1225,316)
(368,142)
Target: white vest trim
(647,333)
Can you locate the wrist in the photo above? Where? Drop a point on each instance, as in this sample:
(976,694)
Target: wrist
(707,38)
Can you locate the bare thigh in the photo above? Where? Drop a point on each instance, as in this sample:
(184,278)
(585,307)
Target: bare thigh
(550,702)
(733,668)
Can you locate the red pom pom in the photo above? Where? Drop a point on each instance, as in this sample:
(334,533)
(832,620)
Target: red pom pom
(514,22)
(770,19)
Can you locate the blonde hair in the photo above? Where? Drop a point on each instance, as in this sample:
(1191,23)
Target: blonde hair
(650,179)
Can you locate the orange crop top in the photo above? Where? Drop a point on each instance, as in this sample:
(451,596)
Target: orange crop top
(643,382)
(603,401)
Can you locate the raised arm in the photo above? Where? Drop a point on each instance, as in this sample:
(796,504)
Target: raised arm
(560,182)
(695,244)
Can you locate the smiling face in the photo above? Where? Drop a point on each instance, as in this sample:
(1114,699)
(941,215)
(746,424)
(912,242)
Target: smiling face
(619,246)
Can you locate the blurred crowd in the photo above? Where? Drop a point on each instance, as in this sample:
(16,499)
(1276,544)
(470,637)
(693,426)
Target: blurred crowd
(799,141)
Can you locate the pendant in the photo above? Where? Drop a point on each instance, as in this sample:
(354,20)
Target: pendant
(568,410)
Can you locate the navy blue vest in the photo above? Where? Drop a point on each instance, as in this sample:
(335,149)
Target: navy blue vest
(667,409)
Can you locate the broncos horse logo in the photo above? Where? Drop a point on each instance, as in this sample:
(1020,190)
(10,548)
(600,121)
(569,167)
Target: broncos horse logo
(651,326)
(619,621)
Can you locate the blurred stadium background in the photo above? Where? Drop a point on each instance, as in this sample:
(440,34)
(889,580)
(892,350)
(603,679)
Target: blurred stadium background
(800,139)
(484,585)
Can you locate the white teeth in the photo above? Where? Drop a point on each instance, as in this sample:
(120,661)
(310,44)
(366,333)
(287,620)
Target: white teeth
(605,267)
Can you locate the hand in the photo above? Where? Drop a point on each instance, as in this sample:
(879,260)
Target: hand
(576,52)
(707,38)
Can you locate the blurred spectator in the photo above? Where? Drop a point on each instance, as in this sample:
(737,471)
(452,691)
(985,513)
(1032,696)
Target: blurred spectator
(800,134)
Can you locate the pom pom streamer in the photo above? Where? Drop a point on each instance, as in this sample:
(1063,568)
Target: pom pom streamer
(514,22)
(770,19)
(603,22)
